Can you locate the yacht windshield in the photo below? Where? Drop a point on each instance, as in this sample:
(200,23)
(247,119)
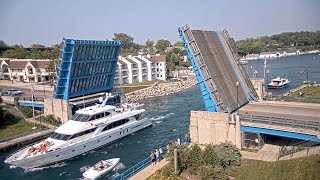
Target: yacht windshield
(80,117)
(60,136)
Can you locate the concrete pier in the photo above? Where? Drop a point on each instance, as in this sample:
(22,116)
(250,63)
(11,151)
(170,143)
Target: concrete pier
(214,128)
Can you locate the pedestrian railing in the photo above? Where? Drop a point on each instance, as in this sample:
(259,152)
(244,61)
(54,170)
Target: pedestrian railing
(304,148)
(24,98)
(139,166)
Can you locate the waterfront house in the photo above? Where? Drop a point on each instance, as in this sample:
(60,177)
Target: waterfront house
(293,52)
(269,55)
(26,70)
(252,57)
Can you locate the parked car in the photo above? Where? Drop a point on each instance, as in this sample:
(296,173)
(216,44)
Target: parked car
(12,92)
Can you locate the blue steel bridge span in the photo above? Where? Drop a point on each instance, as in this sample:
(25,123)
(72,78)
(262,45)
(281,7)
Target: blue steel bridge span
(86,67)
(226,87)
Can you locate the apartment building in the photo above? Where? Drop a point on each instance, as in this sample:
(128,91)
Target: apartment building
(25,70)
(140,68)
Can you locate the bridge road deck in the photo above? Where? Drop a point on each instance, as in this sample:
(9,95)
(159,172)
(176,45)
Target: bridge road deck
(290,116)
(220,68)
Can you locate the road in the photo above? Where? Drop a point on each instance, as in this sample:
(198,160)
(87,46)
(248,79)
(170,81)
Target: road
(40,89)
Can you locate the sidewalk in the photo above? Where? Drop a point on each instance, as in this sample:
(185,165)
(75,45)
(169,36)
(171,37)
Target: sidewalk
(150,170)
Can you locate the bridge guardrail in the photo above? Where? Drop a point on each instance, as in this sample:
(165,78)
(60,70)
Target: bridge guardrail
(288,122)
(38,99)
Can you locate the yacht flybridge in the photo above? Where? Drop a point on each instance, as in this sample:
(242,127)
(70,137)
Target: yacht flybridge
(88,129)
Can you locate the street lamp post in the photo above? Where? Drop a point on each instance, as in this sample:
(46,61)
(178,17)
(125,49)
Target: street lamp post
(266,84)
(307,76)
(237,84)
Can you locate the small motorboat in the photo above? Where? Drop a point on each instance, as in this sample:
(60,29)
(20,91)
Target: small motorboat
(101,168)
(278,83)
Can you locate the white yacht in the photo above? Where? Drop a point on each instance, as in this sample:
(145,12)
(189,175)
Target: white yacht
(278,83)
(88,129)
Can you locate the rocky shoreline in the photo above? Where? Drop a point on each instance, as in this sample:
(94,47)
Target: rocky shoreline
(160,89)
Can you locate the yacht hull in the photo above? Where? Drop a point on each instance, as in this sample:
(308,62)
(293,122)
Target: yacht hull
(76,149)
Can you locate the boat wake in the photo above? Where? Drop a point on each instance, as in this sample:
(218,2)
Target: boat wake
(65,174)
(84,168)
(46,167)
(157,119)
(119,167)
(115,170)
(13,166)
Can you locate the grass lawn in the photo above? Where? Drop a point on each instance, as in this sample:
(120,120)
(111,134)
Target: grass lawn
(300,168)
(311,94)
(17,128)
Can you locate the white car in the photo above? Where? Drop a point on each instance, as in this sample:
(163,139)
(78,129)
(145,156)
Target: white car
(12,92)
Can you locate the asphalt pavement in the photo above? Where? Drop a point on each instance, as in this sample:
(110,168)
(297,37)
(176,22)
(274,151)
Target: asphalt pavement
(41,90)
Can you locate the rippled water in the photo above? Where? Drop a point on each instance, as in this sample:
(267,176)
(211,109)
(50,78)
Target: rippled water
(170,116)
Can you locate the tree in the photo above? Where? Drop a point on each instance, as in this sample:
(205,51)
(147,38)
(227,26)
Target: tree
(126,40)
(18,53)
(179,43)
(149,45)
(3,44)
(162,45)
(16,46)
(37,46)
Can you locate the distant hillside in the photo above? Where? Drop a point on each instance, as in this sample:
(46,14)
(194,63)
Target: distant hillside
(303,40)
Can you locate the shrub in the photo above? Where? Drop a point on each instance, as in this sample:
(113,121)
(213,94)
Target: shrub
(26,111)
(9,119)
(210,156)
(50,119)
(228,154)
(192,158)
(211,172)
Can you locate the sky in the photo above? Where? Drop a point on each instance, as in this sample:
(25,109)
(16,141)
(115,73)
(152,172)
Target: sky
(48,21)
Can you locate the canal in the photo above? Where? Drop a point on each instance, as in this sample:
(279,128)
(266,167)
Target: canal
(170,116)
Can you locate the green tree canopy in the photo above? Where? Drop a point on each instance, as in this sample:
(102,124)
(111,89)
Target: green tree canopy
(179,43)
(126,40)
(162,45)
(37,46)
(281,41)
(149,45)
(3,44)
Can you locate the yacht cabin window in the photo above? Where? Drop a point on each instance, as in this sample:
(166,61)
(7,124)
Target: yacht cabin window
(80,117)
(100,115)
(65,137)
(115,124)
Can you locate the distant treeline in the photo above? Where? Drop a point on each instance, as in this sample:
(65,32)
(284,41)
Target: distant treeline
(303,40)
(33,52)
